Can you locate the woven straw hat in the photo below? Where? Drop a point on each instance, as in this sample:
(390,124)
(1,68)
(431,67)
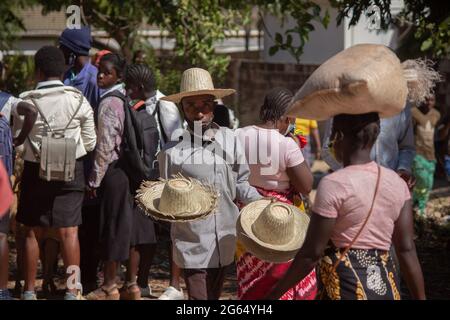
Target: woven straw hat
(272,231)
(176,200)
(195,82)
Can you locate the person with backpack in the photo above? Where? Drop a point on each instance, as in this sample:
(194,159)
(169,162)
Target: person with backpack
(108,175)
(8,105)
(141,83)
(52,189)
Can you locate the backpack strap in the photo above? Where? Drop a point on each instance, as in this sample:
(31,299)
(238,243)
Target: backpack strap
(71,118)
(75,113)
(158,113)
(41,113)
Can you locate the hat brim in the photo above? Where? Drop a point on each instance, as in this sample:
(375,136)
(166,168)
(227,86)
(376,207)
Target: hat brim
(217,93)
(263,250)
(327,103)
(149,194)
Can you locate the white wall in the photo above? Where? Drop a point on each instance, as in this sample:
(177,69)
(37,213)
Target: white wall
(324,43)
(360,33)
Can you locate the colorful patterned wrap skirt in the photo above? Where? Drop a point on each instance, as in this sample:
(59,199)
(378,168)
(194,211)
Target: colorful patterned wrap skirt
(361,275)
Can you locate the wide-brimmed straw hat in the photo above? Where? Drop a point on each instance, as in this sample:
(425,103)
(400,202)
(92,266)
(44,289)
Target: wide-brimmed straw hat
(361,79)
(195,82)
(178,199)
(272,231)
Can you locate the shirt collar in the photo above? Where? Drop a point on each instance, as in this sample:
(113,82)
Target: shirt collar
(118,86)
(53,83)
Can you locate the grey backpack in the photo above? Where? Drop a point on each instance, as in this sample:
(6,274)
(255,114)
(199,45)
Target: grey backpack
(58,153)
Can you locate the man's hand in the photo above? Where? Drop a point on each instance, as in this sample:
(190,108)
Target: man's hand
(408,177)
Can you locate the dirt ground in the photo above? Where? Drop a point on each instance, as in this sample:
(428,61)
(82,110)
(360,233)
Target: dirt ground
(433,246)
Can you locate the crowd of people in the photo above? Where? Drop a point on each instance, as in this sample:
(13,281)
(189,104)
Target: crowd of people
(85,210)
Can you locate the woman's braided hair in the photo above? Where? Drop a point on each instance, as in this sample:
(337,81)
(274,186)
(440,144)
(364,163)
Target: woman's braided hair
(275,104)
(140,74)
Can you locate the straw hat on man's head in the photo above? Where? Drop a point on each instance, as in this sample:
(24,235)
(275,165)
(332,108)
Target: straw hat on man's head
(272,231)
(195,82)
(177,200)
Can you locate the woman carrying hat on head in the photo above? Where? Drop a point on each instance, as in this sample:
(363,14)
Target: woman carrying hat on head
(364,208)
(342,203)
(284,176)
(213,155)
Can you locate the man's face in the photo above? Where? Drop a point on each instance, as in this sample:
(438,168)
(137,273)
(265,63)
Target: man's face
(198,108)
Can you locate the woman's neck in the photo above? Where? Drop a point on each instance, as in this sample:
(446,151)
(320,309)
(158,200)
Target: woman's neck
(361,156)
(268,125)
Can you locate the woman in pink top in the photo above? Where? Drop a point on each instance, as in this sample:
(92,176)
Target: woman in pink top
(360,210)
(278,170)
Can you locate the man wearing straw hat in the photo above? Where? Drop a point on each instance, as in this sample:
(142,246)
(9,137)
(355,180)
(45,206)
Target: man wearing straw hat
(204,248)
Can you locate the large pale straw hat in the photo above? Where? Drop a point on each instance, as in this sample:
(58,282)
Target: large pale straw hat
(178,199)
(195,82)
(272,231)
(361,79)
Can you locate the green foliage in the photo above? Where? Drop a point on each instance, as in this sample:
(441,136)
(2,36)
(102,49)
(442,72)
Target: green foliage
(10,23)
(429,22)
(167,74)
(18,74)
(303,13)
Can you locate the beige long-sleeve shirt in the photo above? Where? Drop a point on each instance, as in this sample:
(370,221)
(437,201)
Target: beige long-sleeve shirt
(58,103)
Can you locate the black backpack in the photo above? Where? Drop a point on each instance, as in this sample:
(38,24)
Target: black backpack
(139,143)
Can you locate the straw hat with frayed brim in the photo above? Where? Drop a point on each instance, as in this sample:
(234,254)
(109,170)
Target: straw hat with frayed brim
(178,199)
(272,231)
(195,82)
(361,79)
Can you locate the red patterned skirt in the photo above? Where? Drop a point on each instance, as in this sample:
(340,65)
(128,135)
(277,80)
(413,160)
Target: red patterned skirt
(256,277)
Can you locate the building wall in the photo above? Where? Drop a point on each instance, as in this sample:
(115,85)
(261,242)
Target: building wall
(324,43)
(253,79)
